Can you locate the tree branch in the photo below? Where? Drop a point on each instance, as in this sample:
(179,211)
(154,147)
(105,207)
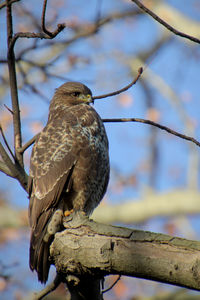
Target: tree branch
(81,31)
(4,168)
(13,87)
(7,160)
(95,249)
(8,109)
(15,170)
(117,120)
(2,5)
(46,35)
(5,141)
(165,24)
(28,144)
(182,136)
(60,27)
(140,70)
(48,289)
(39,35)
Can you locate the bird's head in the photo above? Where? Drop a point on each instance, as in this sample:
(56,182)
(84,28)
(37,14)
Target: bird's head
(73,93)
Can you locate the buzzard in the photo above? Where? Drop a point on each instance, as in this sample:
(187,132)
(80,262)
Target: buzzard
(69,169)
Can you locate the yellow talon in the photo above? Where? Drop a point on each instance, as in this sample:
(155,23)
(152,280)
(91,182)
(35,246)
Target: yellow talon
(68,212)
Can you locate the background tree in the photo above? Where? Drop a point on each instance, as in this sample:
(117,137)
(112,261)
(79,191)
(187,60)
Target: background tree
(103,45)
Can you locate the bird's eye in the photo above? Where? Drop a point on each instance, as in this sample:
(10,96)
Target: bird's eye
(76,94)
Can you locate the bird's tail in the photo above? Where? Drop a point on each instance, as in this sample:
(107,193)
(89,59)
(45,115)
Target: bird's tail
(39,249)
(42,236)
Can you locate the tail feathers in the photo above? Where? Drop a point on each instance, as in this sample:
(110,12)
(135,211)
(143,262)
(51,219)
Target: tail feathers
(41,238)
(39,257)
(39,249)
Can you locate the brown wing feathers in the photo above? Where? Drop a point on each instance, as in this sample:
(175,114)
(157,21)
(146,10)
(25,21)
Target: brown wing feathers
(41,212)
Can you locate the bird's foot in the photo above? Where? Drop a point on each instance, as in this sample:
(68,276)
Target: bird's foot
(75,218)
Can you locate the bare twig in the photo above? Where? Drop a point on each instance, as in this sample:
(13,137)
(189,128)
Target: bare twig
(165,24)
(44,29)
(10,110)
(112,285)
(6,143)
(28,144)
(183,136)
(48,289)
(34,35)
(140,70)
(46,34)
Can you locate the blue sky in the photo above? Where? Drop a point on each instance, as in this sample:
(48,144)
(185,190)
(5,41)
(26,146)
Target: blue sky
(108,54)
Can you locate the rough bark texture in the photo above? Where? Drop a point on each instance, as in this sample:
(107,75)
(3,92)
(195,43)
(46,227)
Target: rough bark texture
(87,248)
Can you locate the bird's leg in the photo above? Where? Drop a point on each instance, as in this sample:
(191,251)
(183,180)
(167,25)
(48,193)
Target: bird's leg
(54,224)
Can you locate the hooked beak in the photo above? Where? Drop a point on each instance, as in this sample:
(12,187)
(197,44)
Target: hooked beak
(86,98)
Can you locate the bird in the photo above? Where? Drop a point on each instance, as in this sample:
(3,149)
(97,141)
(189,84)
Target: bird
(69,169)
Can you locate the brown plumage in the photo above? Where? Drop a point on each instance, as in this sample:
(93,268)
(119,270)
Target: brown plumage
(69,167)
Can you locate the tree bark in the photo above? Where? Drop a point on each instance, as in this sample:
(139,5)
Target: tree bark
(87,249)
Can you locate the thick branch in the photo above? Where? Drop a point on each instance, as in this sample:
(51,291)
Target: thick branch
(11,169)
(13,87)
(4,168)
(17,169)
(5,141)
(7,160)
(95,249)
(165,24)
